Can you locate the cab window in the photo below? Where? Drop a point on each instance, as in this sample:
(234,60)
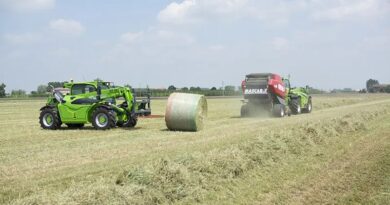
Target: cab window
(82,89)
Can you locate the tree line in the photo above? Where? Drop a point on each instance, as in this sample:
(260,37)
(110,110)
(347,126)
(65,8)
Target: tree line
(372,86)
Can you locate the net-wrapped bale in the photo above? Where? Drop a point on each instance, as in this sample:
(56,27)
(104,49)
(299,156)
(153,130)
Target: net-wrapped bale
(185,112)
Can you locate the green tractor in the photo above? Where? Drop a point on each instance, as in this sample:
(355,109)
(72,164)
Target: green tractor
(92,102)
(298,99)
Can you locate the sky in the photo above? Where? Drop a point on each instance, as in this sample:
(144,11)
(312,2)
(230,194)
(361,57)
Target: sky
(156,43)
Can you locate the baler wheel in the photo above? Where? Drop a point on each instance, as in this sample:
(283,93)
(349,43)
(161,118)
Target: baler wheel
(279,110)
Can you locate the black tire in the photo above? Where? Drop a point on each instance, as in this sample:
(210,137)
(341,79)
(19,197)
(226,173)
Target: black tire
(130,122)
(279,110)
(49,119)
(244,111)
(103,119)
(296,106)
(309,107)
(75,126)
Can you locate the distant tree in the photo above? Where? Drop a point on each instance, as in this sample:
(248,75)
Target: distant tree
(213,88)
(184,89)
(363,91)
(387,89)
(230,88)
(42,89)
(370,83)
(98,79)
(128,86)
(2,90)
(171,88)
(52,85)
(315,90)
(18,93)
(344,90)
(195,89)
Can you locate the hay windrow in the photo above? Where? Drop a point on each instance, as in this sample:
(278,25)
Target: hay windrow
(193,177)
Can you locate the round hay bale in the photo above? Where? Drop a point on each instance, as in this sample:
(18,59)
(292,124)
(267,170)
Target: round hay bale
(185,112)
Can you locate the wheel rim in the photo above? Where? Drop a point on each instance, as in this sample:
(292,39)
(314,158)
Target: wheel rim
(48,119)
(309,108)
(101,120)
(281,112)
(299,109)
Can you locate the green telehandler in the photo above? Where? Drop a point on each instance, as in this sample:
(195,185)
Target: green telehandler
(92,102)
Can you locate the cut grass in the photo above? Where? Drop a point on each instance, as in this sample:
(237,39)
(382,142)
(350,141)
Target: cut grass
(232,161)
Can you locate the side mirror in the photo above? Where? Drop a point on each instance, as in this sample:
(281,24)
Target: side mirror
(99,92)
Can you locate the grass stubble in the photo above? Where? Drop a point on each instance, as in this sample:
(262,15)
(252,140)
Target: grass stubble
(339,154)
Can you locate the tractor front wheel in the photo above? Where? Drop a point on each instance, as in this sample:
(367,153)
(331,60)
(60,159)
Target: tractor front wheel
(296,106)
(103,119)
(49,119)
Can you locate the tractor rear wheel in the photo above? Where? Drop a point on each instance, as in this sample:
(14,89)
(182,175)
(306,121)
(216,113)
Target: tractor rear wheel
(75,126)
(296,106)
(103,118)
(279,110)
(309,107)
(49,119)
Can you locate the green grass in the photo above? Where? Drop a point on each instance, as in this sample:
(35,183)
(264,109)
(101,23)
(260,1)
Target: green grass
(339,154)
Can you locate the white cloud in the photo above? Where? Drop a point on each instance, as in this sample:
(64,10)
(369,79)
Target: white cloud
(276,11)
(280,43)
(27,5)
(25,38)
(131,37)
(193,11)
(178,13)
(67,26)
(342,9)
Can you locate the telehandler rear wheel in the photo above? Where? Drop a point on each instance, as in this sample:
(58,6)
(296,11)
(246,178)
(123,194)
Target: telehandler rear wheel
(103,119)
(49,119)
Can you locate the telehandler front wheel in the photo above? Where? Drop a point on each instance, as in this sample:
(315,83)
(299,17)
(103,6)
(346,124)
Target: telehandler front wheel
(49,119)
(103,119)
(130,122)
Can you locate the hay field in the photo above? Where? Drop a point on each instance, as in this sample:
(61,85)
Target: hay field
(338,154)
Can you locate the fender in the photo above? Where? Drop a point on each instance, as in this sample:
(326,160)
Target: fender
(105,106)
(48,106)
